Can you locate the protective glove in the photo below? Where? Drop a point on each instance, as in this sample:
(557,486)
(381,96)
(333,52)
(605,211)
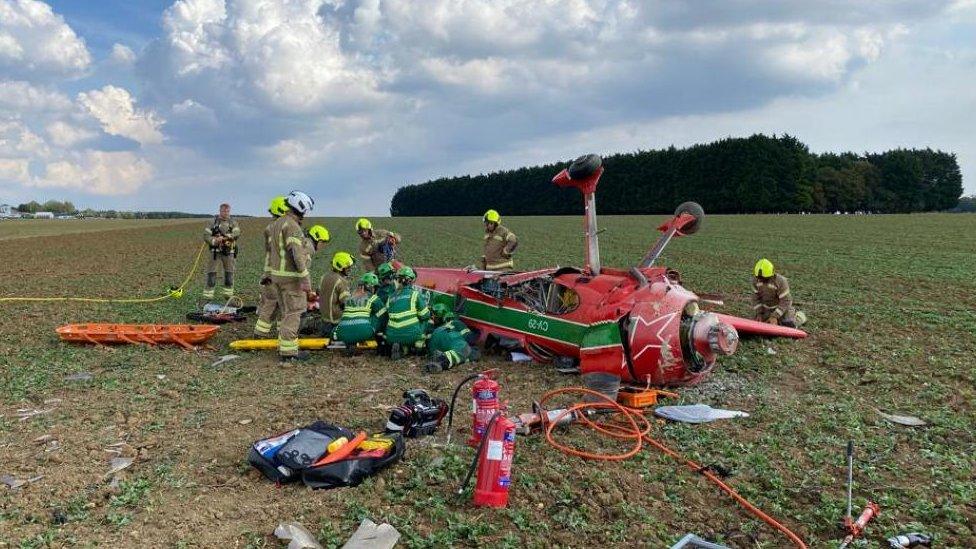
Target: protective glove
(774,321)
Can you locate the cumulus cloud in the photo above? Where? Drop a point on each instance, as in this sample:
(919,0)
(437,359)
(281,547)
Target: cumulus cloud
(14,169)
(122,54)
(97,172)
(67,135)
(280,55)
(115,109)
(387,91)
(36,41)
(23,96)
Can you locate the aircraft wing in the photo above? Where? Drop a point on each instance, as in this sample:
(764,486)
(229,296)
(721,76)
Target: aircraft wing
(752,327)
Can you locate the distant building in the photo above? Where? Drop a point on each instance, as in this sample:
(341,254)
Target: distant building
(44,215)
(6,210)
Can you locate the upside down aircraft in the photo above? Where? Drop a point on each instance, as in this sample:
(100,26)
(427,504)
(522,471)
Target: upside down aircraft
(637,325)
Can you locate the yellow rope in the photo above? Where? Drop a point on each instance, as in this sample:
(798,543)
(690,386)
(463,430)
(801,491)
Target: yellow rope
(174,293)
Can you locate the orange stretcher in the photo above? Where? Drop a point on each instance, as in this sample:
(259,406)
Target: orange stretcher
(184,335)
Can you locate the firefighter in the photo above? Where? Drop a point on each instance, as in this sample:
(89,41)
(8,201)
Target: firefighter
(333,292)
(288,272)
(316,238)
(221,235)
(387,277)
(771,297)
(364,315)
(408,314)
(500,244)
(450,342)
(376,246)
(268,305)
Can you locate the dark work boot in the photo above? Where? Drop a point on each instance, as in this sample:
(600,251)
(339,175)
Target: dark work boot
(300,356)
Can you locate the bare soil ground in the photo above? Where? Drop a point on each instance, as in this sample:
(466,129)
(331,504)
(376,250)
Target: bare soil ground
(891,301)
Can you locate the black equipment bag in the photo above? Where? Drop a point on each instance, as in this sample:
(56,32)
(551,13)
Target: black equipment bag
(282,457)
(352,470)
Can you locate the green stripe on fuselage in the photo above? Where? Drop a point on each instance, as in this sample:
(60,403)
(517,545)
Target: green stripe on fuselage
(577,335)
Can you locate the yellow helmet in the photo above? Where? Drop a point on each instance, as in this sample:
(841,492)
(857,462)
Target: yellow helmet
(763,268)
(342,261)
(363,224)
(278,207)
(319,233)
(491,216)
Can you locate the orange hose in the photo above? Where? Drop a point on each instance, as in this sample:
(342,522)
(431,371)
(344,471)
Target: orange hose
(639,435)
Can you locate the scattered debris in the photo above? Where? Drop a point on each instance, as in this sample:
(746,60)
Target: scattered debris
(223,360)
(696,413)
(370,535)
(693,541)
(26,413)
(14,483)
(245,421)
(160,377)
(80,376)
(43,439)
(53,401)
(907,541)
(118,464)
(910,421)
(520,357)
(770,351)
(296,535)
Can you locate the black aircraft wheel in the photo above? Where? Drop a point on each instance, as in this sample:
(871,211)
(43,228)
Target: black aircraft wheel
(695,210)
(585,166)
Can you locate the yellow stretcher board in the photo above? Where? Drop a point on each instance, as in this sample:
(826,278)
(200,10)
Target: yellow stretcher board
(309,343)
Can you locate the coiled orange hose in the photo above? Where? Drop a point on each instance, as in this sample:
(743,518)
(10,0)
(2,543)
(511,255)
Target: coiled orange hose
(637,428)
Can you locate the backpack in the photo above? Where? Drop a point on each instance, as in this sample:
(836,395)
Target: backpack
(282,457)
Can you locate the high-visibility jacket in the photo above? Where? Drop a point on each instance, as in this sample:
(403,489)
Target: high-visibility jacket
(370,248)
(227,228)
(772,299)
(407,316)
(500,244)
(333,293)
(285,247)
(450,339)
(267,247)
(309,252)
(362,318)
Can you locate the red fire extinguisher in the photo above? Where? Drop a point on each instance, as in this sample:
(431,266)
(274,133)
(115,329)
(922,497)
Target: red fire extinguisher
(484,404)
(495,464)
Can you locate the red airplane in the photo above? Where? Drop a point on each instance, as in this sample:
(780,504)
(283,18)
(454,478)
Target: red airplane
(638,325)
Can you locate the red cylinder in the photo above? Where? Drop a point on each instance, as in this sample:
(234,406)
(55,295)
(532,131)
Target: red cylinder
(495,465)
(484,404)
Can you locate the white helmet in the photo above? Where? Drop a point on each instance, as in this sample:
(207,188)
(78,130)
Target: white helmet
(300,202)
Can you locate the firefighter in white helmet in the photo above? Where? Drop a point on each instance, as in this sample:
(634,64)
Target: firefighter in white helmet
(288,272)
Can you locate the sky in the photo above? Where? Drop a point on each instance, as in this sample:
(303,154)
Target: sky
(163,105)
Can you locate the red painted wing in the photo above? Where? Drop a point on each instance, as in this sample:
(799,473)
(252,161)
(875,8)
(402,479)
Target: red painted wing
(752,327)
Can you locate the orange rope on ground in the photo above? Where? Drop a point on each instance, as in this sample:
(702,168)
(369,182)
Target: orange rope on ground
(637,428)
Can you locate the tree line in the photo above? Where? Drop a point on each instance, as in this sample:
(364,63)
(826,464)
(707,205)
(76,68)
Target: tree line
(58,207)
(757,174)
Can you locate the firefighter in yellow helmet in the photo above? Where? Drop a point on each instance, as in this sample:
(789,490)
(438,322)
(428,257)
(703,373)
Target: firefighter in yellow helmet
(221,235)
(771,298)
(333,292)
(376,246)
(268,304)
(500,244)
(316,237)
